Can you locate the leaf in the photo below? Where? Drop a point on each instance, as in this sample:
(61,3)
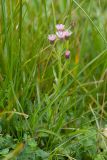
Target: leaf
(42,154)
(4,151)
(32,143)
(99,157)
(15,152)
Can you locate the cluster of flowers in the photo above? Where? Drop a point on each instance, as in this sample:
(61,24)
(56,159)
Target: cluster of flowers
(61,34)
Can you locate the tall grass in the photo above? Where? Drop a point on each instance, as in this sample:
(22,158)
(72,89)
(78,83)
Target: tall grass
(52,107)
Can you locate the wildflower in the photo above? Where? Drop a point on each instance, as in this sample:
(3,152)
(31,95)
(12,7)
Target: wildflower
(60,27)
(52,38)
(67,34)
(61,35)
(67,54)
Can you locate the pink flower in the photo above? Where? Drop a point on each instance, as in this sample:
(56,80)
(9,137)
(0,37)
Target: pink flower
(60,27)
(52,38)
(67,54)
(67,34)
(61,35)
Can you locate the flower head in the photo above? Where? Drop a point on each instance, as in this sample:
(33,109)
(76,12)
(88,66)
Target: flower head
(67,34)
(52,38)
(60,35)
(67,54)
(60,27)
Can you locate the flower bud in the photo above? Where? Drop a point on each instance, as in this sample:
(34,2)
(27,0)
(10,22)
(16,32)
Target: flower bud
(67,54)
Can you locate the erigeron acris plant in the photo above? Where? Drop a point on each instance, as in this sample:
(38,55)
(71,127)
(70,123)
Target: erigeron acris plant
(62,34)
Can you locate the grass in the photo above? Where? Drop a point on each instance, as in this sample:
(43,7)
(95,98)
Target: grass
(53,108)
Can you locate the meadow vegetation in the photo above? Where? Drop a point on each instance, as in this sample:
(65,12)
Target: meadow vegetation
(53,103)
